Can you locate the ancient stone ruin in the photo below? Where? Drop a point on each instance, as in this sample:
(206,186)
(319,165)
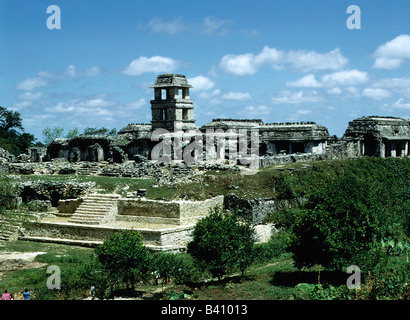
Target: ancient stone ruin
(173,119)
(173,149)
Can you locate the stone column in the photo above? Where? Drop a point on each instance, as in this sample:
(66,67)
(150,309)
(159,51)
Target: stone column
(382,149)
(393,149)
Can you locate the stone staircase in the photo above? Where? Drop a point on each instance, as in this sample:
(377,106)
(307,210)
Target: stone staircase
(95,209)
(8,229)
(89,168)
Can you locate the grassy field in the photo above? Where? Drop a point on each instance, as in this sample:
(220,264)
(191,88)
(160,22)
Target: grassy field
(281,181)
(273,279)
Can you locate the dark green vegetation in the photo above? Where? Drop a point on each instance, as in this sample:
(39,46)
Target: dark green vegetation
(49,134)
(351,212)
(12,135)
(220,242)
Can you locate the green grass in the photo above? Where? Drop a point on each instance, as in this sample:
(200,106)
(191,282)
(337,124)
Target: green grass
(68,258)
(281,181)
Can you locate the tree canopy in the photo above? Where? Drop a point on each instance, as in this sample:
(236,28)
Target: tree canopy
(340,225)
(220,242)
(12,135)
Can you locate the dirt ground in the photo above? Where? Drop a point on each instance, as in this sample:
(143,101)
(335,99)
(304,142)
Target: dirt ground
(14,261)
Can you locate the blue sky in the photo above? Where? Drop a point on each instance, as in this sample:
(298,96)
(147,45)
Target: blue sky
(279,61)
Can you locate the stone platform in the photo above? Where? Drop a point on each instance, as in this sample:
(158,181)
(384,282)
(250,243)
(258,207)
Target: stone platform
(60,230)
(164,225)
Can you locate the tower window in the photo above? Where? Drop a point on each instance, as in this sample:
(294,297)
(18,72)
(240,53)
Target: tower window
(164,94)
(184,114)
(163,114)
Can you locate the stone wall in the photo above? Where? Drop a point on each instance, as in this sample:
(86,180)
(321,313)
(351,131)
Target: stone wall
(254,210)
(159,239)
(69,206)
(165,212)
(53,191)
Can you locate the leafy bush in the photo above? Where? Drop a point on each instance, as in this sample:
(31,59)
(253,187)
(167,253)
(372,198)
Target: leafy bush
(220,242)
(124,256)
(340,225)
(273,249)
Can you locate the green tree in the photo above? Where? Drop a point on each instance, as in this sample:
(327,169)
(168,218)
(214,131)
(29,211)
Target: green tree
(72,133)
(12,135)
(99,131)
(8,193)
(340,225)
(50,134)
(124,255)
(220,242)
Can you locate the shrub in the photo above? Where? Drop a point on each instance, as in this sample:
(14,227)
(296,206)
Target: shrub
(340,225)
(274,248)
(123,255)
(220,242)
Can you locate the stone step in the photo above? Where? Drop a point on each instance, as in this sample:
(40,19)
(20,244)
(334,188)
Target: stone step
(90,215)
(103,196)
(94,208)
(91,211)
(89,203)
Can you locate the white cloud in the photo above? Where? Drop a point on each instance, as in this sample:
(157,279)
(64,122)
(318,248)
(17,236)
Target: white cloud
(400,105)
(353,91)
(270,56)
(240,65)
(30,84)
(376,93)
(299,97)
(335,90)
(98,102)
(237,96)
(92,72)
(212,26)
(308,81)
(312,61)
(209,95)
(402,82)
(44,77)
(153,64)
(252,111)
(81,106)
(22,104)
(201,83)
(350,77)
(157,25)
(30,96)
(27,99)
(298,114)
(249,63)
(393,54)
(136,104)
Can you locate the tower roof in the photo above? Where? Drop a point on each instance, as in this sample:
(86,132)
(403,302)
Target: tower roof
(171,80)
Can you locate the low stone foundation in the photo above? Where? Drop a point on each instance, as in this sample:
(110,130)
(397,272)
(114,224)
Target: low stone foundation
(165,212)
(172,238)
(164,225)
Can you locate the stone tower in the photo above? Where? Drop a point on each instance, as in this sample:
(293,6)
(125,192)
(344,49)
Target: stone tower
(172,106)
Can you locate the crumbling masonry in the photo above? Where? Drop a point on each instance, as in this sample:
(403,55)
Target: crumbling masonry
(172,114)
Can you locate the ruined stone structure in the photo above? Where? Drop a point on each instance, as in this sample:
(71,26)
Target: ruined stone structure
(173,119)
(172,103)
(379,136)
(167,225)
